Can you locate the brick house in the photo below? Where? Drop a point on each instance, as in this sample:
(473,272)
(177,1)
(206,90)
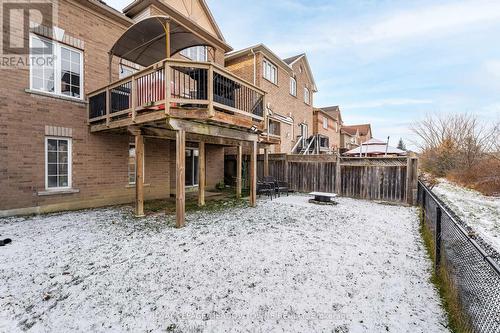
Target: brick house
(364,132)
(327,123)
(117,120)
(290,88)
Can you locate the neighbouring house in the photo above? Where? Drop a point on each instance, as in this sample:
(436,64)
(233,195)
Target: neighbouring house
(290,88)
(364,131)
(374,148)
(137,106)
(349,139)
(327,124)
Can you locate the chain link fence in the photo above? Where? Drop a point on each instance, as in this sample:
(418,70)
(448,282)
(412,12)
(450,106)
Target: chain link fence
(472,267)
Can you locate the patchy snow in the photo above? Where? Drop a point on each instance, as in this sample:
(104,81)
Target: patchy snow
(480,212)
(287,266)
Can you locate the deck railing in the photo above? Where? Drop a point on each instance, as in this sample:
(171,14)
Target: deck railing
(177,84)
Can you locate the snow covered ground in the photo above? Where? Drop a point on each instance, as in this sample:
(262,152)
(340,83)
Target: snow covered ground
(480,212)
(286,266)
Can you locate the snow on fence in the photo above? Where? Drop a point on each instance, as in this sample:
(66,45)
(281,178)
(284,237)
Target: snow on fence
(472,266)
(372,178)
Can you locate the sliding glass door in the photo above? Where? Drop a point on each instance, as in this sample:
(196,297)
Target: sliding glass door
(191,167)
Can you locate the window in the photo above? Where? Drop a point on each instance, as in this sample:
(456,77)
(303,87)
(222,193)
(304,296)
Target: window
(132,163)
(132,167)
(58,163)
(196,53)
(270,71)
(125,71)
(306,96)
(303,130)
(192,160)
(274,127)
(56,69)
(325,122)
(293,86)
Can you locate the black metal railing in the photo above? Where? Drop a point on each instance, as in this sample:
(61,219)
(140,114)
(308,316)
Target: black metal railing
(233,94)
(121,97)
(189,83)
(97,105)
(472,267)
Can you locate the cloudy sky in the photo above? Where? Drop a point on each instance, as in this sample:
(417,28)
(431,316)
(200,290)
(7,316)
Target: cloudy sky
(385,62)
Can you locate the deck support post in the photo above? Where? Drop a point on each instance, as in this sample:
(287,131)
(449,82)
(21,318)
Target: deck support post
(180,193)
(239,161)
(253,174)
(266,162)
(139,175)
(201,174)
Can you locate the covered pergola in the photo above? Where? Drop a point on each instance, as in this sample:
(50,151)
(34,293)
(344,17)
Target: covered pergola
(153,40)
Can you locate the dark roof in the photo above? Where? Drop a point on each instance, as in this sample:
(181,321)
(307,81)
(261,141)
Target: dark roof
(292,59)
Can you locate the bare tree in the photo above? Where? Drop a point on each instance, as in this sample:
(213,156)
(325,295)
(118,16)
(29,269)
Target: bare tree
(454,141)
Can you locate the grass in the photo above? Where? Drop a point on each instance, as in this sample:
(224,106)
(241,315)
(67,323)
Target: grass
(213,203)
(448,292)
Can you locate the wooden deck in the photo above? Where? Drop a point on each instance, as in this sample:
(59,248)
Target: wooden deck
(198,91)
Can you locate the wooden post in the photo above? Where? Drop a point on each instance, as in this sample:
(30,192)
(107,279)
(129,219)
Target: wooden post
(133,98)
(338,177)
(168,89)
(409,181)
(180,161)
(266,162)
(201,174)
(253,175)
(167,40)
(210,90)
(139,175)
(438,238)
(239,161)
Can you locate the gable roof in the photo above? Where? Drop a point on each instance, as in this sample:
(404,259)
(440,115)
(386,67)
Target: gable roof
(333,111)
(286,63)
(291,60)
(348,130)
(259,48)
(138,5)
(362,128)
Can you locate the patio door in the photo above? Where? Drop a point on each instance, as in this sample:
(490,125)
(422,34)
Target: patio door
(304,131)
(191,166)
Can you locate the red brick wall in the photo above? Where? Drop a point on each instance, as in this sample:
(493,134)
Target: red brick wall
(278,95)
(332,132)
(99,168)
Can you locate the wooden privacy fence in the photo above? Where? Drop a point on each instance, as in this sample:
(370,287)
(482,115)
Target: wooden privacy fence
(374,178)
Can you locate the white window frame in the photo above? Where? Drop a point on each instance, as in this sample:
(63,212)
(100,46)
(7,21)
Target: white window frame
(132,183)
(123,68)
(270,71)
(307,97)
(56,48)
(70,163)
(325,122)
(293,86)
(194,53)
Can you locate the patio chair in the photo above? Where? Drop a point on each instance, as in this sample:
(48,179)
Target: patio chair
(265,188)
(279,186)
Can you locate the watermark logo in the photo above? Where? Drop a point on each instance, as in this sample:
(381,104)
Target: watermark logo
(19,19)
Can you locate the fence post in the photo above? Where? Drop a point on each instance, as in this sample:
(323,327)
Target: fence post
(338,180)
(438,238)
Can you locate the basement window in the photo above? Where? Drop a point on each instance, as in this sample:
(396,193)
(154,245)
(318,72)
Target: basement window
(58,163)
